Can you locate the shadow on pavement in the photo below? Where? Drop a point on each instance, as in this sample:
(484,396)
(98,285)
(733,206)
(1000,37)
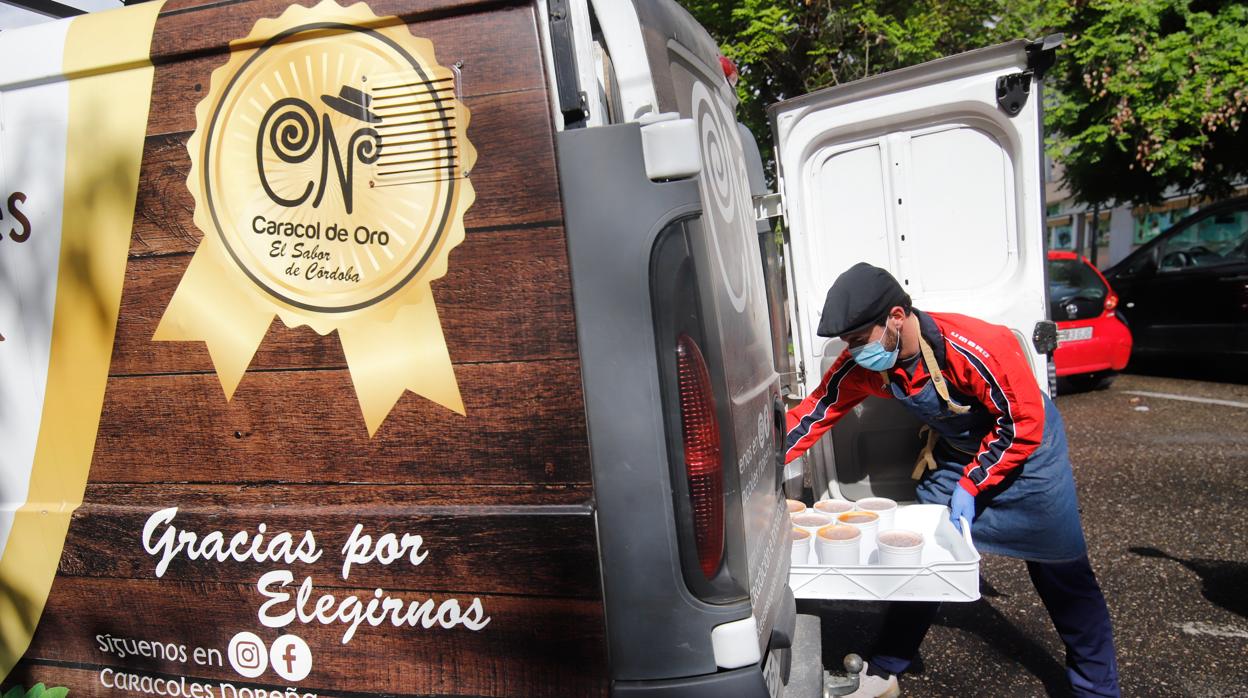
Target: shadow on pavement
(1223,582)
(996,631)
(853,627)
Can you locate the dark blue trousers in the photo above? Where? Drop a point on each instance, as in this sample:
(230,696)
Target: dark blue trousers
(1075,603)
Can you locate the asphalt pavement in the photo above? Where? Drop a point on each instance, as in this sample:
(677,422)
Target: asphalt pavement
(1163,490)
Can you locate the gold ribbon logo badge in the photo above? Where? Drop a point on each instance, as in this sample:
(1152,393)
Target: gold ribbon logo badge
(329,168)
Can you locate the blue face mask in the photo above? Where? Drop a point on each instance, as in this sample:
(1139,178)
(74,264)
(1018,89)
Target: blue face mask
(874,357)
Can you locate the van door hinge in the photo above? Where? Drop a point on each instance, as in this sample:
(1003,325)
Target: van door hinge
(796,386)
(1014,89)
(1042,54)
(768,206)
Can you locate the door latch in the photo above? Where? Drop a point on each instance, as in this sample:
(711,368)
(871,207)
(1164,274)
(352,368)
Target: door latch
(1044,336)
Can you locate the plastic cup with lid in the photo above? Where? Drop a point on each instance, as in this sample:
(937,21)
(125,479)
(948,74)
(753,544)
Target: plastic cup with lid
(838,544)
(800,553)
(899,547)
(866,521)
(885,507)
(833,507)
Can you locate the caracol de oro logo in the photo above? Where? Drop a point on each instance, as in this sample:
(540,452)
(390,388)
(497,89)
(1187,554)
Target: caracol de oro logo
(329,167)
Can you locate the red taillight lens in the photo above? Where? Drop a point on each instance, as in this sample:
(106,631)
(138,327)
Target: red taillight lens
(730,70)
(703,463)
(1111,302)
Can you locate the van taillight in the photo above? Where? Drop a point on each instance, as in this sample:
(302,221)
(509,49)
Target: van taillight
(1111,302)
(703,462)
(730,70)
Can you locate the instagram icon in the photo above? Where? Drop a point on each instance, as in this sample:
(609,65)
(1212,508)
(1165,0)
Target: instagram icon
(248,655)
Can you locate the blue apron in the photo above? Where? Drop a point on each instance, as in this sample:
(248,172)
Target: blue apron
(1033,513)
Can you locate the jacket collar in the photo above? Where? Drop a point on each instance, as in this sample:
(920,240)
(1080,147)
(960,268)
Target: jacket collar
(931,332)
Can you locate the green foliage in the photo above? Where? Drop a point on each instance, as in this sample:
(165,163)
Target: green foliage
(1146,95)
(36,691)
(785,48)
(1151,94)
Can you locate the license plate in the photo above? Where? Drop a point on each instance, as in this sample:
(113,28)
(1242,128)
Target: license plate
(771,675)
(1074,334)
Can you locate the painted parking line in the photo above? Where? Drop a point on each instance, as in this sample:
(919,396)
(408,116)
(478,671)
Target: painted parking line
(1211,629)
(1188,398)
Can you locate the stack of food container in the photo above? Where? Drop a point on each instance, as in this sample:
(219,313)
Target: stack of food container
(873,549)
(841,532)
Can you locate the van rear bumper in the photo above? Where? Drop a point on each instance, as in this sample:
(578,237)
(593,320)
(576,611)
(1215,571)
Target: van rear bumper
(804,674)
(746,682)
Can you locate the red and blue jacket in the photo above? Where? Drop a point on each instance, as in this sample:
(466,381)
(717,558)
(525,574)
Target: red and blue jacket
(979,360)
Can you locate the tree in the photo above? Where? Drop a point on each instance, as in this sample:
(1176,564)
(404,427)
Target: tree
(785,48)
(1149,96)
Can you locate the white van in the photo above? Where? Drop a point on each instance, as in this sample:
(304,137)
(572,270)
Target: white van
(518,431)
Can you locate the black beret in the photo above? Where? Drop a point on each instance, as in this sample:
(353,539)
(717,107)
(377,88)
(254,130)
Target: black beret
(860,297)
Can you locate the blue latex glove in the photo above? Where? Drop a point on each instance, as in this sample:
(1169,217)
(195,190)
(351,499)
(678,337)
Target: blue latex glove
(962,504)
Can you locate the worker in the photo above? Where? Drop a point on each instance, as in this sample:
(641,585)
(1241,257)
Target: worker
(995,454)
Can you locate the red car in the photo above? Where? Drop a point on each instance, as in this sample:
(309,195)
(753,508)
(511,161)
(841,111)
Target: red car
(1093,340)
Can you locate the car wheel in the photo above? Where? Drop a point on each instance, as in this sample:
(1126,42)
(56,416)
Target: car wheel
(1085,382)
(1106,380)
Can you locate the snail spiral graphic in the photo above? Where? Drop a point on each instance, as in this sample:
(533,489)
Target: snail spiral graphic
(366,145)
(295,130)
(725,193)
(717,167)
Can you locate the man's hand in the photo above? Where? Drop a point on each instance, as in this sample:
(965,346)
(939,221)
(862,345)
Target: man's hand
(961,505)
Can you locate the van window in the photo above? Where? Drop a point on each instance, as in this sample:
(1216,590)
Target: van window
(939,197)
(853,201)
(961,188)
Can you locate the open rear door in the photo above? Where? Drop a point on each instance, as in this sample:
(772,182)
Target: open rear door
(934,172)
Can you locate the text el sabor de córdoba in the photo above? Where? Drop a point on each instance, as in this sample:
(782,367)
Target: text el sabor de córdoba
(286,604)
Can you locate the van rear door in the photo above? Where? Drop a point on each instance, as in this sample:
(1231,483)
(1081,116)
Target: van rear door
(690,81)
(933,172)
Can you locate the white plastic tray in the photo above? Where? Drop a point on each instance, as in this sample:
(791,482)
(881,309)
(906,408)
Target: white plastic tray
(949,570)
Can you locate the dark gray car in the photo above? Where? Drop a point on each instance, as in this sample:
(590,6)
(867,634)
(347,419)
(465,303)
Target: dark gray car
(1185,293)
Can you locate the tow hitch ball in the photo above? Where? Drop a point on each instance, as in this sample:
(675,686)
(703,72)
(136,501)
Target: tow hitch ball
(836,685)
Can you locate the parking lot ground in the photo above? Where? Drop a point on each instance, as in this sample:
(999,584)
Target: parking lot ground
(1161,466)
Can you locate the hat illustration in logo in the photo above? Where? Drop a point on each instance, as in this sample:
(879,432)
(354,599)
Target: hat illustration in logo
(352,102)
